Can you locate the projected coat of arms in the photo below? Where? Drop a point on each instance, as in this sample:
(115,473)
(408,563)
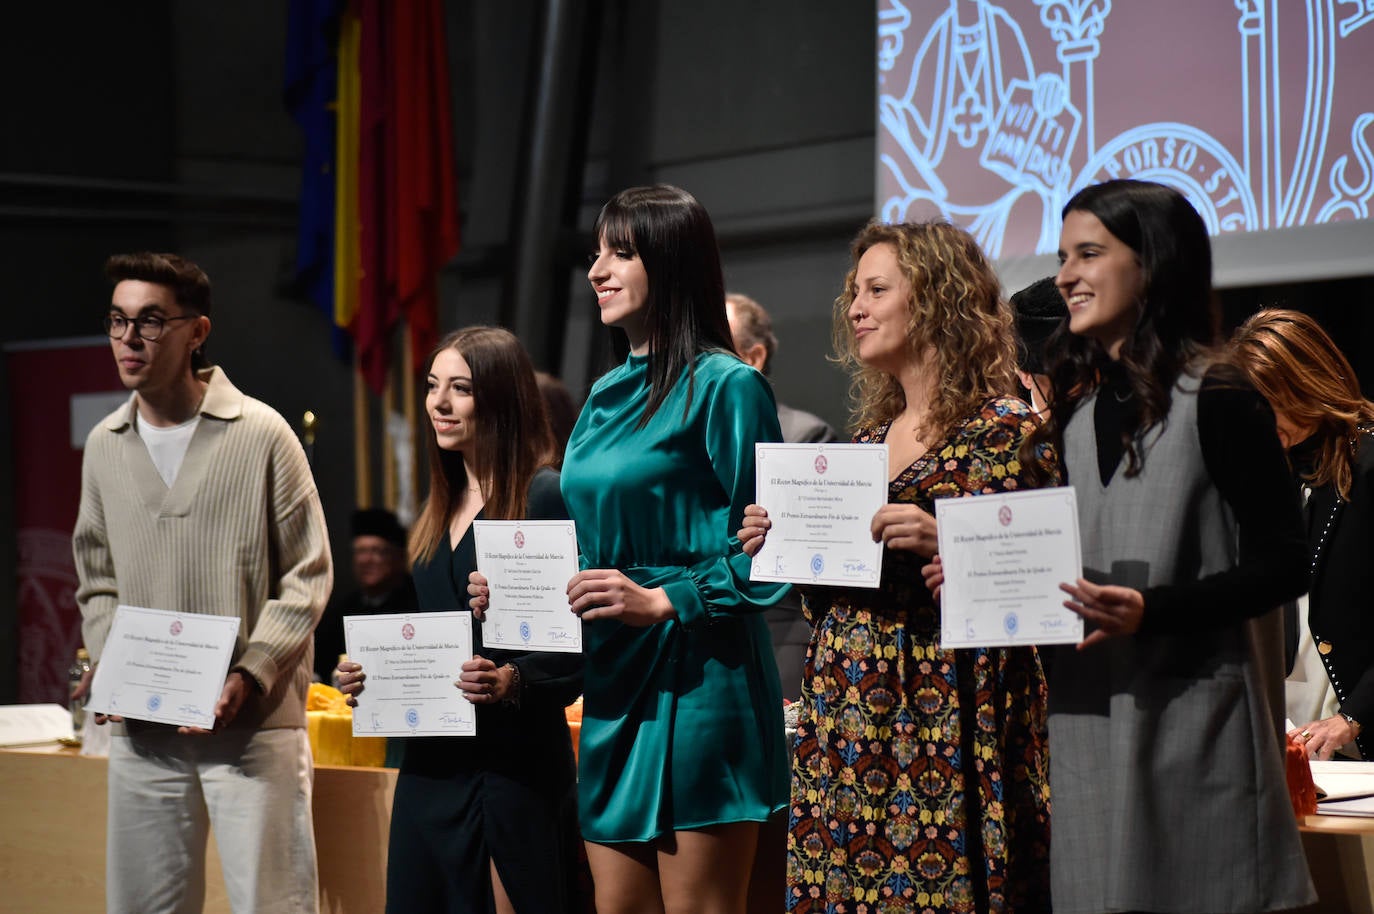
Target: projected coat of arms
(992,114)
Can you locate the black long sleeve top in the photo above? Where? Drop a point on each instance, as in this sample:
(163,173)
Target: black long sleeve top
(1241,449)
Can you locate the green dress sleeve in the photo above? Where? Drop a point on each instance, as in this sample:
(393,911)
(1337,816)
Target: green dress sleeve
(737,411)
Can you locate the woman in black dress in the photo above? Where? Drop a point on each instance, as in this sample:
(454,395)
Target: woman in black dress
(1327,426)
(485,823)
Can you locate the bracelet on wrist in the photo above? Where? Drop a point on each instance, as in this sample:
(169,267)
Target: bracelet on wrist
(512,698)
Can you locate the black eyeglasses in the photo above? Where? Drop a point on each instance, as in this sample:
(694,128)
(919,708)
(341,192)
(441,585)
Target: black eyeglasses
(148,326)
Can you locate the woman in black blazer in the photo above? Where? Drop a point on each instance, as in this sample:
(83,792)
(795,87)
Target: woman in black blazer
(1327,427)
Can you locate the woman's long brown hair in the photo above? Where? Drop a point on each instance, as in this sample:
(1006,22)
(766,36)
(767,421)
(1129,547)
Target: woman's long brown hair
(513,439)
(1304,375)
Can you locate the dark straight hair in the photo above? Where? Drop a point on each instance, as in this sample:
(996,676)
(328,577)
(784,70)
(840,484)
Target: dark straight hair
(188,282)
(513,440)
(1177,321)
(685,313)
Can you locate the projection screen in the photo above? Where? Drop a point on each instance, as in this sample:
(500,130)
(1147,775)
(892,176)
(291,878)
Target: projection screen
(992,114)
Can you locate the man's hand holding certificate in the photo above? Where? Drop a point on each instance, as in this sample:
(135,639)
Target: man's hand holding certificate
(1004,558)
(821,499)
(412,661)
(527,564)
(164,667)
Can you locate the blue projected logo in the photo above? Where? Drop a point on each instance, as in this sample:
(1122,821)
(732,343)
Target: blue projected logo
(991,119)
(412,717)
(817,564)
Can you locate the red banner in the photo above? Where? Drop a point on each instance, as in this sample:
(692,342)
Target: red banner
(59,389)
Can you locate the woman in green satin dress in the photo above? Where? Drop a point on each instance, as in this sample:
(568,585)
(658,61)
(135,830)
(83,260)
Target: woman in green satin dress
(682,752)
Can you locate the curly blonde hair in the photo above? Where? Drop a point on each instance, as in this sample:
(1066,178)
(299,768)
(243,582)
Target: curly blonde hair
(956,311)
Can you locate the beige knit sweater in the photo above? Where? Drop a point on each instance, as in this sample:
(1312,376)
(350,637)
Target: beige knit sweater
(240,532)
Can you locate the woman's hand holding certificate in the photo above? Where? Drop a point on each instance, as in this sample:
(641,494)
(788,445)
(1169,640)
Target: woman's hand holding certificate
(821,500)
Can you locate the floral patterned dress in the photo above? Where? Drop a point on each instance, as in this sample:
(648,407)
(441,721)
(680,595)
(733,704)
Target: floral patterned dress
(920,776)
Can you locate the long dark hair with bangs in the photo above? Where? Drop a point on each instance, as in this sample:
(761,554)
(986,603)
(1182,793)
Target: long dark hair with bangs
(1177,321)
(685,313)
(513,439)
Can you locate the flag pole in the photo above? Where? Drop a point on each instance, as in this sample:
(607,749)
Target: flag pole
(389,452)
(362,454)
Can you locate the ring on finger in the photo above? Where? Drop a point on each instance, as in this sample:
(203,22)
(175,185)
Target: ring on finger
(1306,735)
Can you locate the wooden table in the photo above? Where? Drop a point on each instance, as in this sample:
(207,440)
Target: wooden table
(1340,856)
(52,839)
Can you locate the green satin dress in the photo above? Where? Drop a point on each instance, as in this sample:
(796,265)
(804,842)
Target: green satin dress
(682,720)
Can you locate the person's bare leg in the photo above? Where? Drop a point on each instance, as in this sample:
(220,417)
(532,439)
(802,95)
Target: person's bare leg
(498,893)
(625,877)
(706,870)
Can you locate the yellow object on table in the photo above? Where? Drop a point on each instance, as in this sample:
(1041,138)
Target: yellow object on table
(329,723)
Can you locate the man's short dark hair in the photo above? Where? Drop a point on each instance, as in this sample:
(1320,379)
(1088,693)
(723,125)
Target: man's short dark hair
(755,326)
(1039,310)
(188,282)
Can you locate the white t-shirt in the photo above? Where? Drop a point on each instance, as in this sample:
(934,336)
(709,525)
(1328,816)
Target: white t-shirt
(167,446)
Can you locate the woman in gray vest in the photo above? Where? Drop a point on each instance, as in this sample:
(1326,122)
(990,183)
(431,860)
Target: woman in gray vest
(1166,773)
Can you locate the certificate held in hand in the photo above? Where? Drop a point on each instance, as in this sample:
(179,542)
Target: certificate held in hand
(164,667)
(527,564)
(412,661)
(1004,558)
(821,499)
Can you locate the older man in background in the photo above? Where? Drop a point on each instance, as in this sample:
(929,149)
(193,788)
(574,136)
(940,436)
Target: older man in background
(752,330)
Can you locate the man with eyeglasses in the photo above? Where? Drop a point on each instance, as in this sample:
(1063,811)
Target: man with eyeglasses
(198,499)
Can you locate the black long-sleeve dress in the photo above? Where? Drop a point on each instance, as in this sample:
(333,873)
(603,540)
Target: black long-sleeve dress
(509,793)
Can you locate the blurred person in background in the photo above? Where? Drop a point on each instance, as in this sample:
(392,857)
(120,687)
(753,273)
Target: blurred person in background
(384,584)
(1327,427)
(752,330)
(1040,311)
